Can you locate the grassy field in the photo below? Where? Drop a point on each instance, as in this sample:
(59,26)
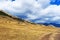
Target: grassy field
(13,29)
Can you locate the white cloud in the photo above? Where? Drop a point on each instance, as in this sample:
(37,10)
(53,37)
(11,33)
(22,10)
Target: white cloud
(56,18)
(32,9)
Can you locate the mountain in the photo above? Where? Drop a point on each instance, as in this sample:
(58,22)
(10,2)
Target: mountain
(53,24)
(13,28)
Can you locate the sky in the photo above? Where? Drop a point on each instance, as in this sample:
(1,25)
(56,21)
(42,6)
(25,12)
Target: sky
(37,11)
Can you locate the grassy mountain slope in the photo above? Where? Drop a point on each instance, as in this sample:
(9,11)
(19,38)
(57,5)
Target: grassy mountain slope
(12,28)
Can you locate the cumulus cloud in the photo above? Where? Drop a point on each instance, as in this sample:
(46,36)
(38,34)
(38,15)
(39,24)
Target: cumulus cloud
(39,11)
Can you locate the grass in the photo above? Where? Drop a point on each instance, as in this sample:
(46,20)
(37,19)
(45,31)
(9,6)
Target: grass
(13,29)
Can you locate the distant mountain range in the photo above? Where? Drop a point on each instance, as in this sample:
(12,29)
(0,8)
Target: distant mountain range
(53,24)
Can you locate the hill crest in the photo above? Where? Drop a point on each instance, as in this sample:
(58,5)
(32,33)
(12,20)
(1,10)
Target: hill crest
(12,28)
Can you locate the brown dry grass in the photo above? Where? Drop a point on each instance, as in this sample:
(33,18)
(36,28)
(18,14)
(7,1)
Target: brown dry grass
(12,29)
